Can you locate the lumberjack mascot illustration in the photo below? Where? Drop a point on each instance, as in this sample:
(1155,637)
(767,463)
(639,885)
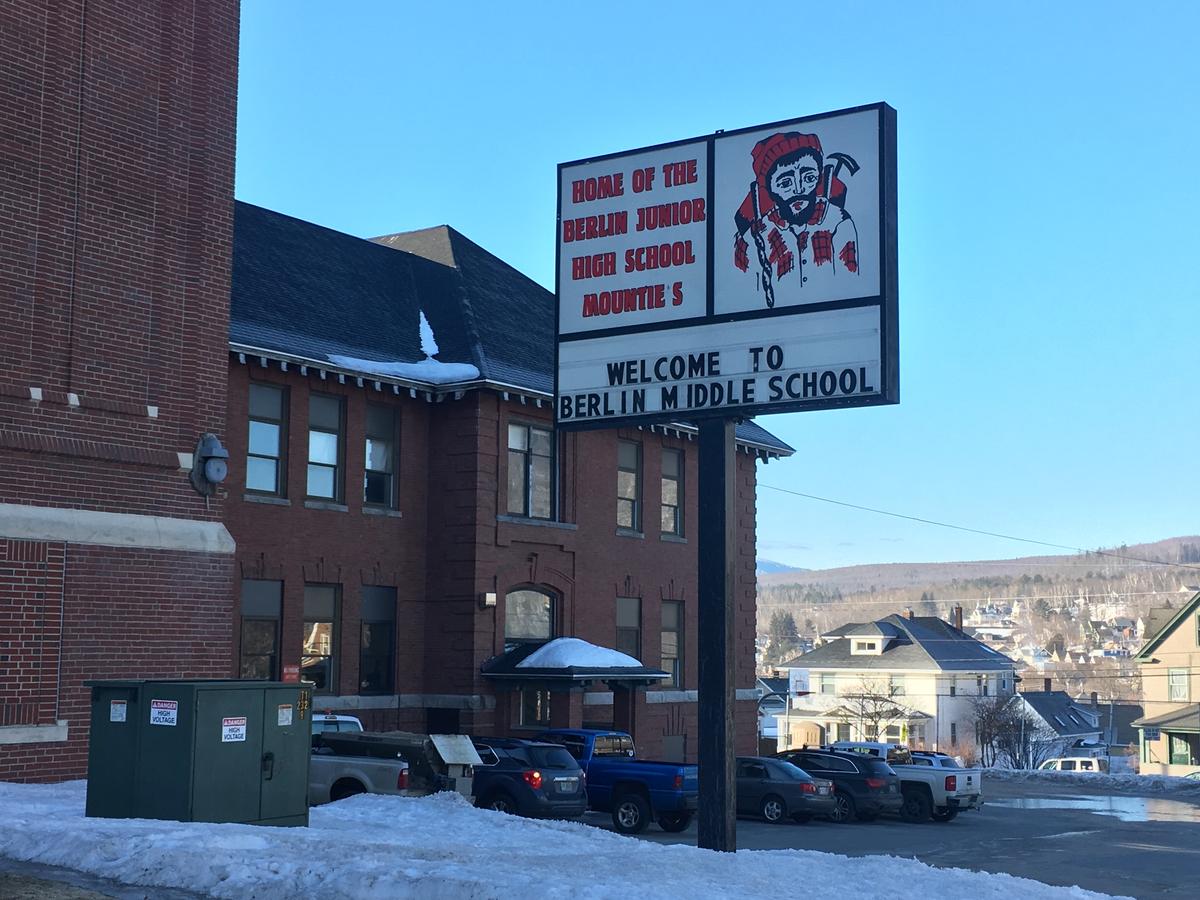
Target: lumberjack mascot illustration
(795,216)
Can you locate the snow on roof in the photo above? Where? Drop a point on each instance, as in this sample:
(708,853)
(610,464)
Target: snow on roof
(441,846)
(565,652)
(428,370)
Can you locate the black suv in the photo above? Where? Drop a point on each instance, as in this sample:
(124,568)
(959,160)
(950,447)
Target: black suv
(864,786)
(529,778)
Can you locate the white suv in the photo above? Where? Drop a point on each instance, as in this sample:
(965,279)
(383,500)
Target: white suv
(1075,764)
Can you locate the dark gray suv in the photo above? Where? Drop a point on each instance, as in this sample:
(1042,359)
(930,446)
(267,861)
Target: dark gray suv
(864,786)
(528,778)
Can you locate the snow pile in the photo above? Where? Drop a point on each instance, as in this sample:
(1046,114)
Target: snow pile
(568,651)
(428,370)
(1156,784)
(442,848)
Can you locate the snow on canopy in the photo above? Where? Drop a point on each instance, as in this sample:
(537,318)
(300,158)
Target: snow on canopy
(567,652)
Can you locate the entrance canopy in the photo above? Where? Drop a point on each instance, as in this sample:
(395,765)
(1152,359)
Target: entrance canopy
(570,660)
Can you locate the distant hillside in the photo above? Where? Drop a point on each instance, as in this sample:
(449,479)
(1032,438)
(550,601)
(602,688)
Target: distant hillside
(770,567)
(1133,576)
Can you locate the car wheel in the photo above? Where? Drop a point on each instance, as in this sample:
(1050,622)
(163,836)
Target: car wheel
(675,822)
(631,814)
(917,807)
(343,789)
(843,808)
(500,803)
(773,809)
(945,814)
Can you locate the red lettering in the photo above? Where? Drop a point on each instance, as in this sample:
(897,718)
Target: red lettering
(677,293)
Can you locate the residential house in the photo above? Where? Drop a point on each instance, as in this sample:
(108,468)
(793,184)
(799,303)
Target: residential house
(772,702)
(1068,728)
(905,678)
(1170,670)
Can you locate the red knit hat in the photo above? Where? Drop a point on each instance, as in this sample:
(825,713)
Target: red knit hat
(767,151)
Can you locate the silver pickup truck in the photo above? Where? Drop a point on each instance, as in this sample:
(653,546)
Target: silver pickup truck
(935,785)
(347,762)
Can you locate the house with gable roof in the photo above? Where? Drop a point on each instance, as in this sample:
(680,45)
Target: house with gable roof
(904,678)
(1169,742)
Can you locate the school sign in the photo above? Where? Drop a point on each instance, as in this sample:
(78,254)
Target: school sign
(738,274)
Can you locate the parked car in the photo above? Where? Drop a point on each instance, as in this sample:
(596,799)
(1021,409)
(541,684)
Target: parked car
(1075,764)
(864,787)
(333,776)
(775,790)
(346,762)
(1192,776)
(529,778)
(635,791)
(929,792)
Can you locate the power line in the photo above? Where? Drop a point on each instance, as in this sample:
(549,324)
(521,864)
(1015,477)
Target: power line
(846,599)
(995,534)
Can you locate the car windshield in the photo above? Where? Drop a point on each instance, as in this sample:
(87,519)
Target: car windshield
(551,758)
(788,770)
(949,762)
(320,727)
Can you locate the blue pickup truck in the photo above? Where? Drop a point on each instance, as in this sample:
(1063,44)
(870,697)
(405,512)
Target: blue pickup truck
(635,791)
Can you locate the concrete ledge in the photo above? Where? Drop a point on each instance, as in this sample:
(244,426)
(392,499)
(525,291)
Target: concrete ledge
(605,698)
(107,529)
(402,701)
(34,734)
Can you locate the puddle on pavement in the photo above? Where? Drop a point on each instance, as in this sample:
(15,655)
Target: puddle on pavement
(1127,809)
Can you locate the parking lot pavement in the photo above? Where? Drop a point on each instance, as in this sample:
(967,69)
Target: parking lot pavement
(1144,847)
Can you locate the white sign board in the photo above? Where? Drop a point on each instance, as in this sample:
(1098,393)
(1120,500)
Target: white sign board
(743,273)
(164,712)
(233,729)
(117,710)
(1151,734)
(285,715)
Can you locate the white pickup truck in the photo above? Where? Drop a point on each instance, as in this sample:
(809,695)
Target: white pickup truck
(935,785)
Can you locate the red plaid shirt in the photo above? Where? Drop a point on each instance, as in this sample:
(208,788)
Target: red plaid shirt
(803,257)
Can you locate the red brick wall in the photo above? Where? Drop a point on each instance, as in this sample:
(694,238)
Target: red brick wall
(116,187)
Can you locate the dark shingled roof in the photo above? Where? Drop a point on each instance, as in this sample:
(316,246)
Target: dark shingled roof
(923,642)
(1161,621)
(775,685)
(1122,713)
(310,293)
(1060,712)
(1186,718)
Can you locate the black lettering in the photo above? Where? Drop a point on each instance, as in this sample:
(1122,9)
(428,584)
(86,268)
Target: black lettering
(849,385)
(639,400)
(616,374)
(828,383)
(774,356)
(862,381)
(775,387)
(593,405)
(670,397)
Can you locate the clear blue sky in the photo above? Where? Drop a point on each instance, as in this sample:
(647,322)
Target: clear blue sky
(1048,220)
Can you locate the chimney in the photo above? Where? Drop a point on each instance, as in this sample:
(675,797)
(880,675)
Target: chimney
(1046,685)
(958,617)
(1095,700)
(908,612)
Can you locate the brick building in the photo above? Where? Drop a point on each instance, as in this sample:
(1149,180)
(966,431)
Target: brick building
(397,525)
(116,185)
(404,513)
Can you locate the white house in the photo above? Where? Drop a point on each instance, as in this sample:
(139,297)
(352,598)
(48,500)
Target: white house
(912,679)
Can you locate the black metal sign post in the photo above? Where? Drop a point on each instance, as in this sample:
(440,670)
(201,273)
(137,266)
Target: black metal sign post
(717,555)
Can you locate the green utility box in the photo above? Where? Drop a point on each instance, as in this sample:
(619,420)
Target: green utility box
(200,751)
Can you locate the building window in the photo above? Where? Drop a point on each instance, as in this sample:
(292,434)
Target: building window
(986,685)
(672,641)
(535,707)
(324,446)
(379,484)
(672,492)
(377,642)
(629,626)
(1177,685)
(953,734)
(267,438)
(892,734)
(528,617)
(828,684)
(259,651)
(843,731)
(318,659)
(896,685)
(530,471)
(629,485)
(953,688)
(1185,749)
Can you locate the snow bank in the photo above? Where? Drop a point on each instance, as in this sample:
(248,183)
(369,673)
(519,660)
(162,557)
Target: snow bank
(441,848)
(569,651)
(1155,784)
(429,371)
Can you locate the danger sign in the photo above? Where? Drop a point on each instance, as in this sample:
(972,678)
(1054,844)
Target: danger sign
(233,729)
(164,712)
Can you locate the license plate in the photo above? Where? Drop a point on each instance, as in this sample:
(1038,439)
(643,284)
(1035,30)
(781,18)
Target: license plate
(566,785)
(823,790)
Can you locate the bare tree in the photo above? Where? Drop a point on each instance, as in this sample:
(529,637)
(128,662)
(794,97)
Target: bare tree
(871,707)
